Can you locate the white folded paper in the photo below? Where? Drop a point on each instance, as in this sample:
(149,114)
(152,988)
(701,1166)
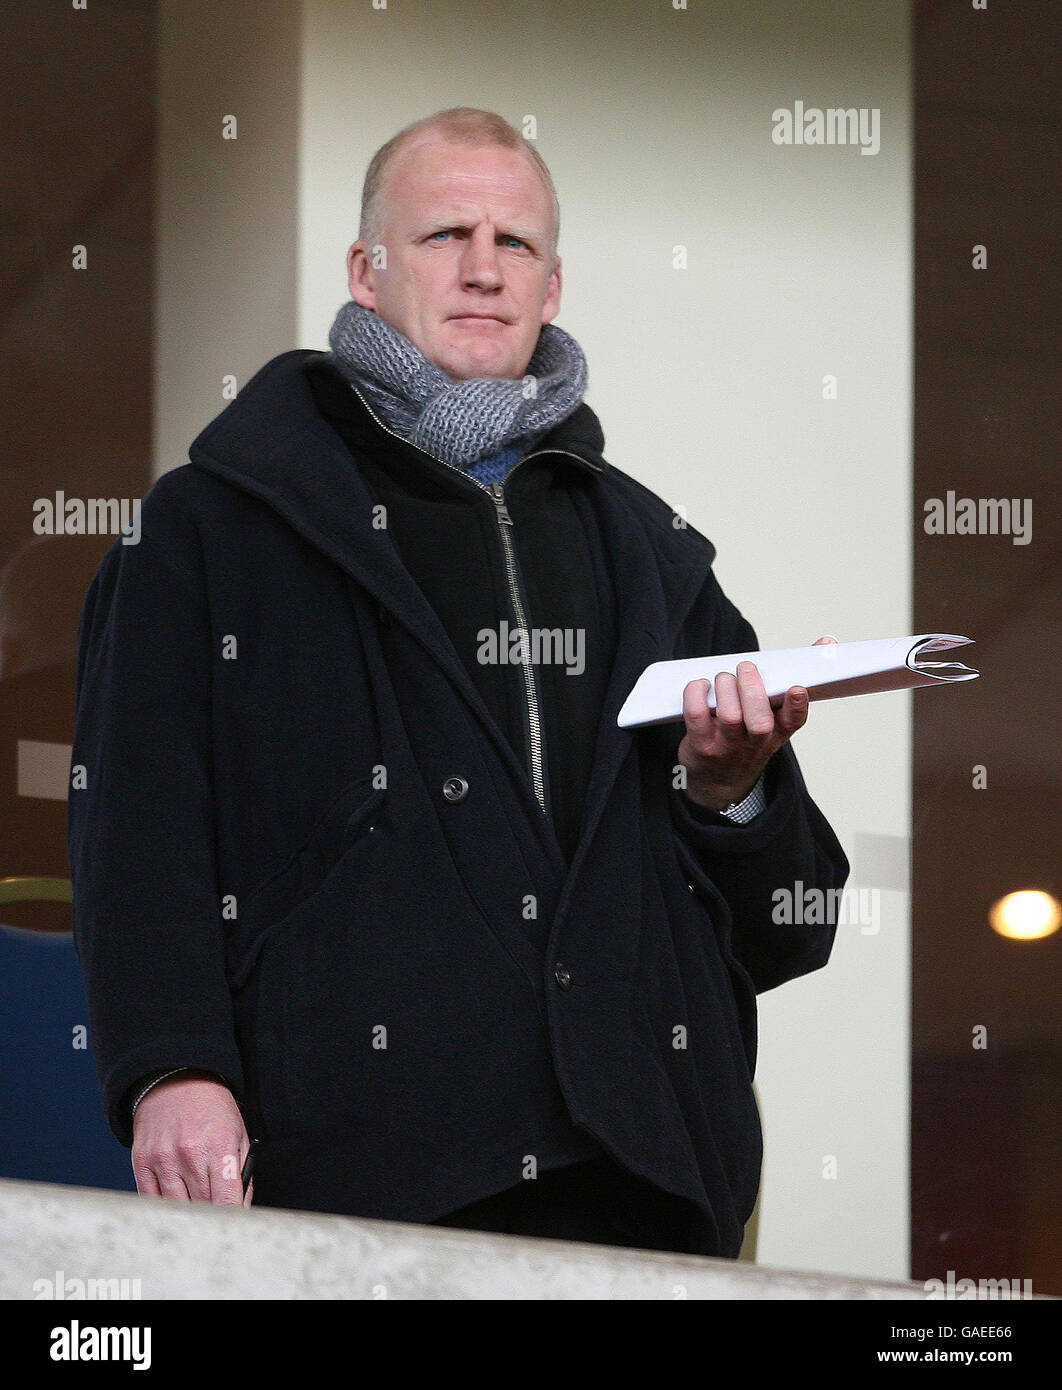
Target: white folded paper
(827,673)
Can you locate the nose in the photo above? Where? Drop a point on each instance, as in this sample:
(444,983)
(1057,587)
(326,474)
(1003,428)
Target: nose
(480,264)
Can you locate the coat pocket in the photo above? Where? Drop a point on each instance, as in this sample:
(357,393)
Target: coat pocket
(349,817)
(743,989)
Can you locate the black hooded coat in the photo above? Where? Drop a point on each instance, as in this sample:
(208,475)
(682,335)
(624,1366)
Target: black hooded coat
(308,857)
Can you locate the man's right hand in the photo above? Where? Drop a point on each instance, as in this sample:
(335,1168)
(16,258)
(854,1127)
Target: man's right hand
(190,1142)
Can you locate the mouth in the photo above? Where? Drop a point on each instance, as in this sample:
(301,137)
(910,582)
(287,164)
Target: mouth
(477,318)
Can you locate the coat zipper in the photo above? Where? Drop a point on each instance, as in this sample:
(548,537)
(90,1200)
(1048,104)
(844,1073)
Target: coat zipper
(536,762)
(534,721)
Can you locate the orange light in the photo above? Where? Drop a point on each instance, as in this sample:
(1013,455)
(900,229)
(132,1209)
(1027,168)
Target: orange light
(1026,915)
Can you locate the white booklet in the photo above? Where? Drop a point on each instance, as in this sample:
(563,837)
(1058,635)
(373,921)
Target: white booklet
(827,673)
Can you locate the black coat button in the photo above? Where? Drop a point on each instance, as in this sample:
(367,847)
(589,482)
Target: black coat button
(455,789)
(563,976)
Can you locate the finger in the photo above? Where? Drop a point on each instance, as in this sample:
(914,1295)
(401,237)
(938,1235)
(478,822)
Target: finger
(794,712)
(825,642)
(755,707)
(226,1181)
(701,736)
(146,1182)
(730,722)
(172,1184)
(224,1184)
(695,709)
(190,1163)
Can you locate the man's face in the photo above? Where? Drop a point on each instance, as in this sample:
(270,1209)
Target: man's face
(469,276)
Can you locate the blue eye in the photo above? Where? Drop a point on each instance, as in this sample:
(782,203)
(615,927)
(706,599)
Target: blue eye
(443,232)
(517,240)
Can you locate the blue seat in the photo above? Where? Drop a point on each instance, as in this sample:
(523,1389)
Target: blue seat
(52,1126)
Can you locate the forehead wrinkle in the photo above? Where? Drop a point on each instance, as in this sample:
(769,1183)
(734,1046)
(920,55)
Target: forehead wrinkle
(474,188)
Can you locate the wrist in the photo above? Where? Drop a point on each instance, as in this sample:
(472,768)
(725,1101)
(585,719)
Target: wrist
(719,799)
(150,1083)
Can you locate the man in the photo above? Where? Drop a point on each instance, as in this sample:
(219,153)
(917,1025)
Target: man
(359,876)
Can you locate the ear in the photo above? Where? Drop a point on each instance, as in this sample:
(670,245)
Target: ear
(551,305)
(361,276)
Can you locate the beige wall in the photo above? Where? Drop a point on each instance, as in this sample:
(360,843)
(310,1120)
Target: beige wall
(708,381)
(226,284)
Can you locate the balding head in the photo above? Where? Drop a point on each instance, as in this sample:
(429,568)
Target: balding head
(462,125)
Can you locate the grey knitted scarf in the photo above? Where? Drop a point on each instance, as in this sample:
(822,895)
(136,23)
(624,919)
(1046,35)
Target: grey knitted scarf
(459,421)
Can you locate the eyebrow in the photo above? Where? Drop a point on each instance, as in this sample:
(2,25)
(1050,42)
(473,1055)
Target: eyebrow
(458,225)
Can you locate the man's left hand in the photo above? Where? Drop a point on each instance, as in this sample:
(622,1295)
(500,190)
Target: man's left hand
(725,750)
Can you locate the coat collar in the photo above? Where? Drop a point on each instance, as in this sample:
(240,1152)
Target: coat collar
(273,443)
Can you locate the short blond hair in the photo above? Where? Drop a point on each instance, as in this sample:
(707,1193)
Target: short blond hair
(465,125)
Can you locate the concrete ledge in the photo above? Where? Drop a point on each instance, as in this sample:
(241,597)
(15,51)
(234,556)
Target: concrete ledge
(176,1251)
(60,1234)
